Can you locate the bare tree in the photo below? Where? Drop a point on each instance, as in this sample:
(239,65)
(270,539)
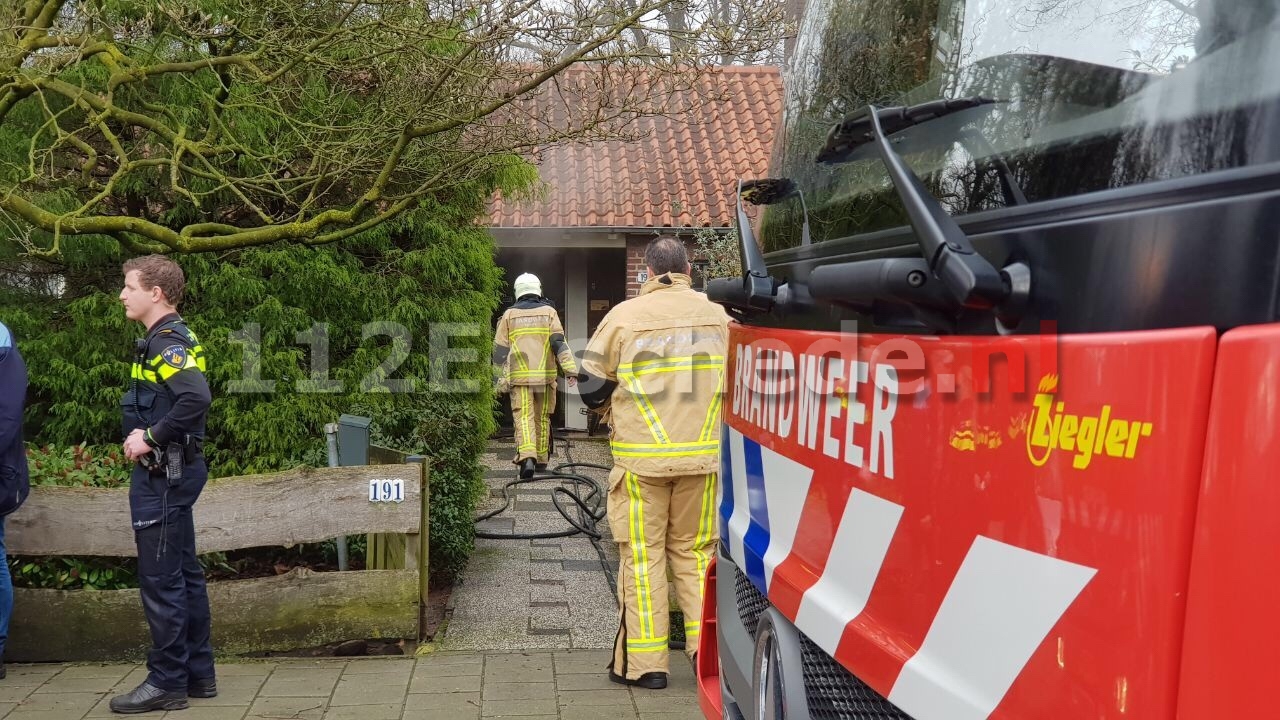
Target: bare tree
(204,125)
(1169,26)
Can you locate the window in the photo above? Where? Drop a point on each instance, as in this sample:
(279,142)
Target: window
(1092,95)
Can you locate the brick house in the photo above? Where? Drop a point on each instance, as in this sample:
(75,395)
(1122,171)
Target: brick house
(608,199)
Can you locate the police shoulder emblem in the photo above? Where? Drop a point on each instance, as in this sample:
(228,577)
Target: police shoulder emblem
(175,355)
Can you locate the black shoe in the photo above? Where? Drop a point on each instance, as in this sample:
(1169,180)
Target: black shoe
(540,467)
(648,681)
(147,697)
(526,468)
(203,688)
(3,672)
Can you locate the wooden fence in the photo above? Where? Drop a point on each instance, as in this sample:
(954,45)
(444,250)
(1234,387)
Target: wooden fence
(300,608)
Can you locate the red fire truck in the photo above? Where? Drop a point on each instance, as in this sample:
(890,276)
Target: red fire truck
(1002,411)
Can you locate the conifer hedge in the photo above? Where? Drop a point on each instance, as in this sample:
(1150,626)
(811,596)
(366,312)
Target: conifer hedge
(414,297)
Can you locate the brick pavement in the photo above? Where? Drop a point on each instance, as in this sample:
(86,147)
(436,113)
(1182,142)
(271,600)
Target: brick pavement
(505,652)
(534,685)
(535,594)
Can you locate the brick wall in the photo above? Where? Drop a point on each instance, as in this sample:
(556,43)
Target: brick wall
(635,260)
(635,264)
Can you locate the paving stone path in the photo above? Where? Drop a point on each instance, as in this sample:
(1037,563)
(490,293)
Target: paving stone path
(535,685)
(535,594)
(526,637)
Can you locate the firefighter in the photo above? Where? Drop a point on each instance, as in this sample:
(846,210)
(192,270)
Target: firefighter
(656,364)
(164,412)
(527,346)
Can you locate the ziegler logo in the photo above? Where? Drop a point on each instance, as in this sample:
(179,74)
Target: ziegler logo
(1050,428)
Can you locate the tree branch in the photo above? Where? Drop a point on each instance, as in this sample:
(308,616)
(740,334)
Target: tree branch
(507,98)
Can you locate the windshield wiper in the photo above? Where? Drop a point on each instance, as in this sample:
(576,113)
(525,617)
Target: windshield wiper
(757,291)
(968,280)
(856,130)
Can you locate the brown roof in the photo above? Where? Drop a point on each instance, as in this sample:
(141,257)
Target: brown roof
(682,172)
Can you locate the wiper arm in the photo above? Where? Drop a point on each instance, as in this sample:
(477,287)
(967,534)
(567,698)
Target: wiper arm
(856,131)
(968,279)
(757,291)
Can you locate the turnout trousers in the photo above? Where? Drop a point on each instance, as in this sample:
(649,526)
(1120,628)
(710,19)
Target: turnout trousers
(170,577)
(531,408)
(659,522)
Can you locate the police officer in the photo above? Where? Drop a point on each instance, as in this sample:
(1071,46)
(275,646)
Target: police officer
(164,426)
(527,345)
(656,363)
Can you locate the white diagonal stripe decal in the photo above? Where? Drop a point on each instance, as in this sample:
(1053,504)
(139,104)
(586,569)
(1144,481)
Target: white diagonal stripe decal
(853,565)
(786,486)
(741,518)
(1002,603)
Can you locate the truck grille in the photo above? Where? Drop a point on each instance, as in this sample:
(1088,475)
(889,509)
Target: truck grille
(750,601)
(833,693)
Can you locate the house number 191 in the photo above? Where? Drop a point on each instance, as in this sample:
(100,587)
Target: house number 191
(386,490)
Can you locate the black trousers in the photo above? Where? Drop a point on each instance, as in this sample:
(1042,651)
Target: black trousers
(170,577)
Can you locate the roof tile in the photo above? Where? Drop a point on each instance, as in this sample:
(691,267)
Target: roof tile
(681,174)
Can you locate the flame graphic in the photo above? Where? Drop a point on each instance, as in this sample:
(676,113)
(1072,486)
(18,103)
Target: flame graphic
(1018,424)
(1049,384)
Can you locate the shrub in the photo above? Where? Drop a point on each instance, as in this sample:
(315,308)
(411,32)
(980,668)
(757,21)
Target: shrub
(83,465)
(295,336)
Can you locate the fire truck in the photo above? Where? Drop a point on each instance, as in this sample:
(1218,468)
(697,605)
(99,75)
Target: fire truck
(1002,396)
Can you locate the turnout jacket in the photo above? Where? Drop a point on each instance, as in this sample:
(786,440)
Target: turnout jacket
(529,343)
(656,364)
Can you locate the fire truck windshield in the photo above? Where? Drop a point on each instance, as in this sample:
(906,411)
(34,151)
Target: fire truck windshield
(1091,95)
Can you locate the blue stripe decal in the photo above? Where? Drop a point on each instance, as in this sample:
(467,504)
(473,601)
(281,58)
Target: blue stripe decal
(756,542)
(726,488)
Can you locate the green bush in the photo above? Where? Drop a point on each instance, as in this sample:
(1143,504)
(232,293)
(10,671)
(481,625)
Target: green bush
(82,465)
(453,436)
(76,466)
(375,300)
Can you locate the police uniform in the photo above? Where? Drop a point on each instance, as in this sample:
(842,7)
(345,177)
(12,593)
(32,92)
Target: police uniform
(168,397)
(656,364)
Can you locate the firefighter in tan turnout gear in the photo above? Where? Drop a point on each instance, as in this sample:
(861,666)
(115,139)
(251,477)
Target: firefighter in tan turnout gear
(657,364)
(527,346)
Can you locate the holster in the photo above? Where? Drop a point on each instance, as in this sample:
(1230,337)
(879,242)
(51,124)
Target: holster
(172,457)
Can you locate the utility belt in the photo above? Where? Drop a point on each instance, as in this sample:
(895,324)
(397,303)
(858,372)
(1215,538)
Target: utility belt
(171,458)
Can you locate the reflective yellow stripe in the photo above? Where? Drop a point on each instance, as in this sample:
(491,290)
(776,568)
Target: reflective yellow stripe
(533,373)
(711,424)
(647,412)
(525,371)
(640,558)
(644,646)
(136,372)
(526,423)
(696,362)
(515,353)
(544,430)
(166,371)
(198,353)
(570,367)
(519,357)
(676,368)
(622,449)
(629,374)
(706,528)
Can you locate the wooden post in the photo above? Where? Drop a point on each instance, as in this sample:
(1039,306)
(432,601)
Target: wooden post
(385,551)
(418,547)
